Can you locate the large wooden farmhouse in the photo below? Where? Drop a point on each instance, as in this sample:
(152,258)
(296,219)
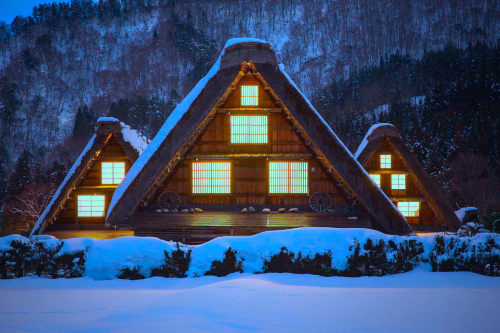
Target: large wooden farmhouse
(81,201)
(248,149)
(397,171)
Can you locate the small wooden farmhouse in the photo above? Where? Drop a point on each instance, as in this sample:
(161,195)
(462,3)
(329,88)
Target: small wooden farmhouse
(399,174)
(243,153)
(82,199)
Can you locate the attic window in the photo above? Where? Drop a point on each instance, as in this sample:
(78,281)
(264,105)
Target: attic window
(376,179)
(91,205)
(248,129)
(112,172)
(409,209)
(398,182)
(211,177)
(288,177)
(249,95)
(385,161)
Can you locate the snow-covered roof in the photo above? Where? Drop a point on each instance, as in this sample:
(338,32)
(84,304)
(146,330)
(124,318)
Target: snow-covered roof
(365,141)
(171,121)
(138,141)
(105,119)
(461,212)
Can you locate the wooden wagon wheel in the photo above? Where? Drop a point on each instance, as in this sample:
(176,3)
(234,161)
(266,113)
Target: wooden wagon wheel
(320,201)
(169,200)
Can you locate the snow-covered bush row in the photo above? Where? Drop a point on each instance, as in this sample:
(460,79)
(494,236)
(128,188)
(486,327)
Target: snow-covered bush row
(321,251)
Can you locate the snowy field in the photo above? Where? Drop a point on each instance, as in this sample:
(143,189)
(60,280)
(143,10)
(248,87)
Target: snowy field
(411,302)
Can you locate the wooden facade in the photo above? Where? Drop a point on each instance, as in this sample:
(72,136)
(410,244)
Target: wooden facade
(434,213)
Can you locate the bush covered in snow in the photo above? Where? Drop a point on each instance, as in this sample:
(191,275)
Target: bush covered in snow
(319,251)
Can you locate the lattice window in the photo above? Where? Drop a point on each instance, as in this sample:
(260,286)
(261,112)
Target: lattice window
(385,161)
(112,172)
(91,205)
(376,179)
(288,177)
(249,129)
(249,95)
(211,177)
(398,182)
(409,208)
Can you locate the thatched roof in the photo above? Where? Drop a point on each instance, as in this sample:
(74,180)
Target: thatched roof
(380,132)
(133,144)
(174,138)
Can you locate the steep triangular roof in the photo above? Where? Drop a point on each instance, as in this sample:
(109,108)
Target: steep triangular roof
(197,110)
(132,142)
(375,136)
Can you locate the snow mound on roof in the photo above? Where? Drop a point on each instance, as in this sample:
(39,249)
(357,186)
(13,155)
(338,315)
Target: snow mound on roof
(71,171)
(104,119)
(461,212)
(364,142)
(136,139)
(170,123)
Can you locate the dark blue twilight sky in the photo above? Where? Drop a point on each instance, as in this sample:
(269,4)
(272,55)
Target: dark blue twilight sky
(11,8)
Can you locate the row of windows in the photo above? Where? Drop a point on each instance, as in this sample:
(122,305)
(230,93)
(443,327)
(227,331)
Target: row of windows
(398,181)
(284,177)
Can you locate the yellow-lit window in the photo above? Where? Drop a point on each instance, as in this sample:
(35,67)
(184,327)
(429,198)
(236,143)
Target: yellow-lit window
(211,177)
(385,161)
(91,205)
(249,95)
(112,172)
(409,209)
(248,129)
(376,179)
(288,177)
(398,182)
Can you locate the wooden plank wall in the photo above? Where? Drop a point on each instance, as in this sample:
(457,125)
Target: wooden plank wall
(113,152)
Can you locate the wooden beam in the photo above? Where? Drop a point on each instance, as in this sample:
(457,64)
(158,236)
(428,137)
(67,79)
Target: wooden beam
(251,155)
(387,171)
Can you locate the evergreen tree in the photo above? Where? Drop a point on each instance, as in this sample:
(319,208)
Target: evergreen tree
(29,60)
(9,102)
(85,122)
(21,176)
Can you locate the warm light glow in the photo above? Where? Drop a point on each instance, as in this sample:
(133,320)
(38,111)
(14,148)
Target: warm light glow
(211,177)
(248,129)
(288,177)
(385,161)
(91,205)
(249,95)
(112,172)
(409,209)
(376,179)
(398,182)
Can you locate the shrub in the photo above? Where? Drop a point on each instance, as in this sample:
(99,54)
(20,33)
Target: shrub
(128,273)
(176,265)
(44,261)
(227,266)
(19,258)
(72,265)
(286,262)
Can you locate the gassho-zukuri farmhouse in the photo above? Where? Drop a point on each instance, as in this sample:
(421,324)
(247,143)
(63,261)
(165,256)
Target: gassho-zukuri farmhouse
(244,152)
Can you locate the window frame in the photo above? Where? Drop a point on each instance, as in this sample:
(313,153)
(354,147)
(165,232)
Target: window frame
(289,193)
(398,181)
(248,143)
(91,196)
(113,173)
(241,95)
(384,163)
(192,171)
(417,212)
(379,182)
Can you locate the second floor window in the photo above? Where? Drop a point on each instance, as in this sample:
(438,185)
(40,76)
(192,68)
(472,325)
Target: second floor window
(91,205)
(376,179)
(248,129)
(398,182)
(112,172)
(249,95)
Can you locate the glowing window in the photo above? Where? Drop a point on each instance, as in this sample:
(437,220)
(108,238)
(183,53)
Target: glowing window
(385,161)
(398,182)
(409,209)
(248,129)
(91,205)
(288,177)
(211,177)
(112,172)
(376,179)
(249,95)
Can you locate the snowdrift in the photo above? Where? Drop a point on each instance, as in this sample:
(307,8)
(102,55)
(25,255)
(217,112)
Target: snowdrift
(104,258)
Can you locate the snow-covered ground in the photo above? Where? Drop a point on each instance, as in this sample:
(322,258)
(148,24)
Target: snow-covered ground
(411,302)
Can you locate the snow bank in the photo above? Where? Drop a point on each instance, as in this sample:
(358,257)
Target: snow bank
(5,241)
(77,163)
